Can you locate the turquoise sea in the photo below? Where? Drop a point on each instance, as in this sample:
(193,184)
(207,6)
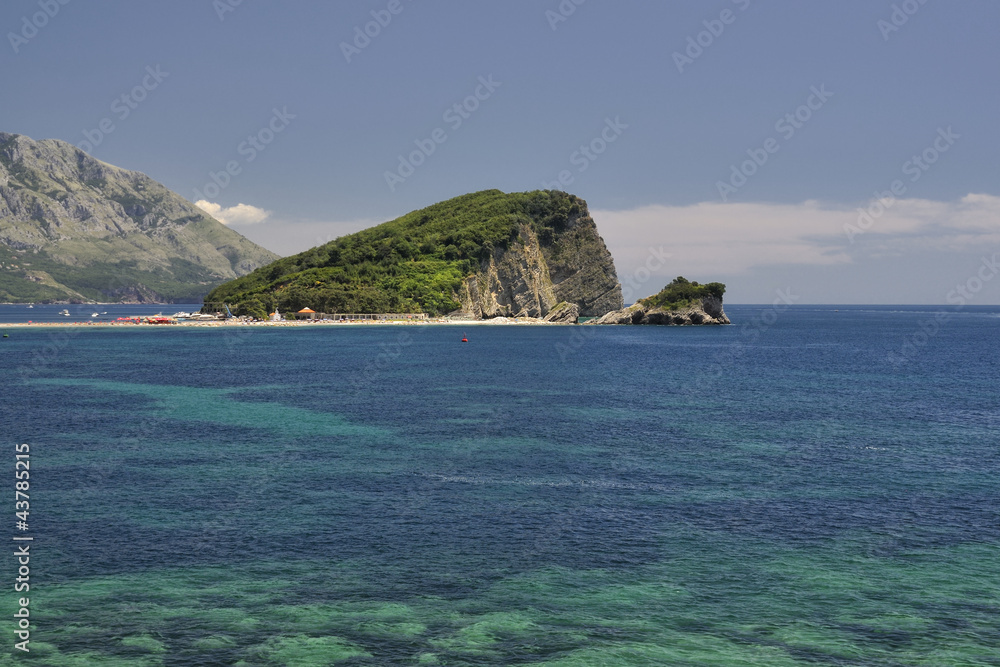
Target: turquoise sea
(818,486)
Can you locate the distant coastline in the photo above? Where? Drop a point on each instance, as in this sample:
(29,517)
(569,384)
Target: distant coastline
(497,321)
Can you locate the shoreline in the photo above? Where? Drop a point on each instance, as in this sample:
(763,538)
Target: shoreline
(499,321)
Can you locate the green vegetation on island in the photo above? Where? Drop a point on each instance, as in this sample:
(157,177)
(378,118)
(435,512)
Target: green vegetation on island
(682,292)
(414,264)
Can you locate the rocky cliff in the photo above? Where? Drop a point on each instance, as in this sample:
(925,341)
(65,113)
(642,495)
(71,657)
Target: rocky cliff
(73,228)
(706,311)
(529,277)
(486,254)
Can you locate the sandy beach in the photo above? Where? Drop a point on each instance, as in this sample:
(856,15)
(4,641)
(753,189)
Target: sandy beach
(498,321)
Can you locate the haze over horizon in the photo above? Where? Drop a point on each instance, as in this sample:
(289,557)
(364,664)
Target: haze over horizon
(846,151)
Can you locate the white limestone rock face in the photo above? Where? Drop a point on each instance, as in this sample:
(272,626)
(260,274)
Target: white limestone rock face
(706,311)
(532,276)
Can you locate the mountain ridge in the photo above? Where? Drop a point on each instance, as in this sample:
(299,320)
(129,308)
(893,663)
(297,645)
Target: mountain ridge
(76,229)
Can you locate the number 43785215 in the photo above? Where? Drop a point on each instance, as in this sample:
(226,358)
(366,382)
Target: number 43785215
(21,474)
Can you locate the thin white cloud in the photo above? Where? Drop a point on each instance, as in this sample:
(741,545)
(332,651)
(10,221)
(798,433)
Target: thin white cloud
(712,239)
(731,238)
(241,214)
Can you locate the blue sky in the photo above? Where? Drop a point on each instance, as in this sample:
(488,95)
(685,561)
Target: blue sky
(743,158)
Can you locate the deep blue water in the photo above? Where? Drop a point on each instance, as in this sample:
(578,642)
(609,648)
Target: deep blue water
(816,486)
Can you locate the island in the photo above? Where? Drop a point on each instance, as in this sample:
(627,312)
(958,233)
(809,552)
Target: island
(682,302)
(481,256)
